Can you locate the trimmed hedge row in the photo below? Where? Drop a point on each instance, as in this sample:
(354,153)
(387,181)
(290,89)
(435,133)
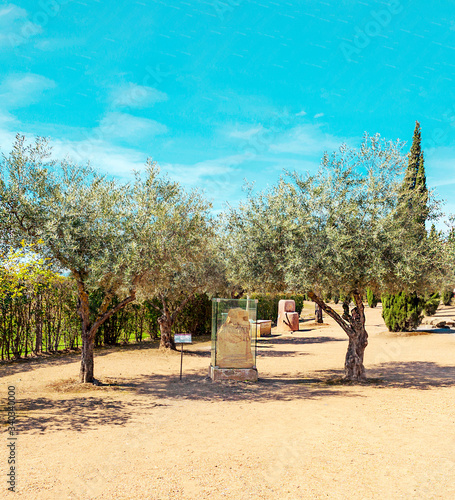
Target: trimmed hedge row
(268,303)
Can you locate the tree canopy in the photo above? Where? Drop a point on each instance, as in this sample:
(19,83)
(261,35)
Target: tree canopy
(335,231)
(113,238)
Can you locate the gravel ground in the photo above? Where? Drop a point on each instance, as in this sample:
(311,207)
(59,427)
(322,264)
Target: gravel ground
(296,434)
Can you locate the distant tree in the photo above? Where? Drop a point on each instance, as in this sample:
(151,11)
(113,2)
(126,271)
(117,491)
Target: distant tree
(371,298)
(185,261)
(339,233)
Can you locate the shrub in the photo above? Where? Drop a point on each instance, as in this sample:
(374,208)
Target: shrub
(447,297)
(268,303)
(402,312)
(196,316)
(371,298)
(431,304)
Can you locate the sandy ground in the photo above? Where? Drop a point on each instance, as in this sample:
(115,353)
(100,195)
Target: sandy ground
(292,435)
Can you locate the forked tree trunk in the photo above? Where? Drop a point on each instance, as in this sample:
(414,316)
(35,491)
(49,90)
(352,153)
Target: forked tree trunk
(353,366)
(89,329)
(353,324)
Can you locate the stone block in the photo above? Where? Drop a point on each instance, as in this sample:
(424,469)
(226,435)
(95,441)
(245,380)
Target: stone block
(286,306)
(263,327)
(234,341)
(288,319)
(218,374)
(288,322)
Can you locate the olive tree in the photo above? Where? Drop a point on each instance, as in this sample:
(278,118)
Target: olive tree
(114,238)
(181,249)
(334,231)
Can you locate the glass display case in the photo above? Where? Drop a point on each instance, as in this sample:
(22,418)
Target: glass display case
(234,335)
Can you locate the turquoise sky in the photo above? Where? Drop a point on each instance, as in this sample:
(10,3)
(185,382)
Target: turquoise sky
(218,92)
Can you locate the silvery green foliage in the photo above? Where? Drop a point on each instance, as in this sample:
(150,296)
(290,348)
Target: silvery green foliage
(149,232)
(336,230)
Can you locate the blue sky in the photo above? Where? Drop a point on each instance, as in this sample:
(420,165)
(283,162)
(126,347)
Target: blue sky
(218,92)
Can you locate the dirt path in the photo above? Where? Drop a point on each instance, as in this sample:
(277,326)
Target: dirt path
(290,436)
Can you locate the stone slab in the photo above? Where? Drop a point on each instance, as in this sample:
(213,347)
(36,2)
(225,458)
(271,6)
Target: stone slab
(263,327)
(234,341)
(218,374)
(288,322)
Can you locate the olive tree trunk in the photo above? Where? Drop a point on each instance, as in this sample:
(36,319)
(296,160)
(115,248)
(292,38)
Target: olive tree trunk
(167,341)
(86,374)
(318,314)
(89,328)
(353,323)
(167,319)
(358,341)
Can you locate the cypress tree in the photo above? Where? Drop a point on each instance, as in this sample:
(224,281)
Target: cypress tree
(403,311)
(409,182)
(421,192)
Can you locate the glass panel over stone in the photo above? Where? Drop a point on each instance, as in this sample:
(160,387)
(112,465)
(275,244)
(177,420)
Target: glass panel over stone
(234,337)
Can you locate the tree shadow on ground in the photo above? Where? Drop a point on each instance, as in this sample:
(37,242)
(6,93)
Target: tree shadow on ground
(443,313)
(269,352)
(279,340)
(422,375)
(96,406)
(8,368)
(46,360)
(80,413)
(197,387)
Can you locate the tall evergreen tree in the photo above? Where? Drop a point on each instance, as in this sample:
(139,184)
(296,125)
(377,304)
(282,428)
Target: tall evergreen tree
(421,193)
(409,182)
(403,311)
(413,205)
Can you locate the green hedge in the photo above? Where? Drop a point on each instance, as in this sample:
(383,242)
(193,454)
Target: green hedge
(268,303)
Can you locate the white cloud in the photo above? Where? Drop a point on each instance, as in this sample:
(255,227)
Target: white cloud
(245,133)
(218,171)
(131,95)
(19,90)
(128,127)
(101,154)
(15,26)
(305,140)
(301,113)
(318,115)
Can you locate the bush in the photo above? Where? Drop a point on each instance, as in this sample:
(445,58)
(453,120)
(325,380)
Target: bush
(371,298)
(402,312)
(268,304)
(447,297)
(196,316)
(431,304)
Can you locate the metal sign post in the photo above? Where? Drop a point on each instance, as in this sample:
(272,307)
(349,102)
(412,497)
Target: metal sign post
(182,338)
